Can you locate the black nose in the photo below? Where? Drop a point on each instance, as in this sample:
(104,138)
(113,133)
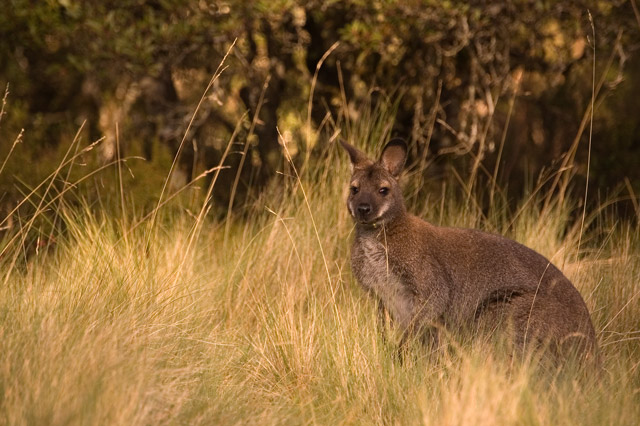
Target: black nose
(364,209)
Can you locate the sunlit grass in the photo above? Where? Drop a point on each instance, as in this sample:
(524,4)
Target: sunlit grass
(177,317)
(260,328)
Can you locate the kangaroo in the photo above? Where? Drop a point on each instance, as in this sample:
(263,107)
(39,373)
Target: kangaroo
(427,277)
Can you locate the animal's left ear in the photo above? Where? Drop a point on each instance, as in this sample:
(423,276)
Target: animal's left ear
(394,156)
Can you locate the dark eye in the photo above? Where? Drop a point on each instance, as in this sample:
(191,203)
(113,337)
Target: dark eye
(384,190)
(354,190)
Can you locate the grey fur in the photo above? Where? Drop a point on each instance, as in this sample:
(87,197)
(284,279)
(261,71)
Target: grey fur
(428,276)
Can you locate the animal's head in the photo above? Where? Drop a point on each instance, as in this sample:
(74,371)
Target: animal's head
(375,197)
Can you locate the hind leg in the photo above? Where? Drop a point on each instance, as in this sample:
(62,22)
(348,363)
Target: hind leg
(559,325)
(551,320)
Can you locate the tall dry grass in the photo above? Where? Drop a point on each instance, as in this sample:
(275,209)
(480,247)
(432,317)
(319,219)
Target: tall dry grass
(183,319)
(266,327)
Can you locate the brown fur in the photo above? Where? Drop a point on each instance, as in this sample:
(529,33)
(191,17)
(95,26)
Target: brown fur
(428,276)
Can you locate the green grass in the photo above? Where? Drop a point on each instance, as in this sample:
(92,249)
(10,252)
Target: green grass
(172,325)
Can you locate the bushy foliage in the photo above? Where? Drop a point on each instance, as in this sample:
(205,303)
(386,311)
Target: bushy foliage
(484,86)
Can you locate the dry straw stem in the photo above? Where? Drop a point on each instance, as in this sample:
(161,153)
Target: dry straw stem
(517,80)
(59,208)
(593,97)
(481,143)
(173,196)
(24,231)
(245,150)
(18,138)
(314,81)
(632,196)
(206,203)
(422,164)
(215,77)
(566,167)
(41,208)
(51,178)
(4,102)
(306,202)
(120,187)
(567,162)
(16,141)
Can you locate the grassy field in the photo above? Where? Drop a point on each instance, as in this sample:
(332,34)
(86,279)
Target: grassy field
(256,319)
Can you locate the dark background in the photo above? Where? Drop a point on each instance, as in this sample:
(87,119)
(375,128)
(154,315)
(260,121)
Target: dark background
(471,84)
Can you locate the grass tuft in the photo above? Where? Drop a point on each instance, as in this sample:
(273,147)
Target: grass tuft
(258,319)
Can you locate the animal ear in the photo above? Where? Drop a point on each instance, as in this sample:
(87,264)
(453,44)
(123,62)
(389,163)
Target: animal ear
(357,157)
(394,156)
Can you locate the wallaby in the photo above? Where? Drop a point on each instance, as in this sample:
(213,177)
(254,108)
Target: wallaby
(428,276)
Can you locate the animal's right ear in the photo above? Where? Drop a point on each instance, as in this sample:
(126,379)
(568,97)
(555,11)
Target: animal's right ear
(393,157)
(356,156)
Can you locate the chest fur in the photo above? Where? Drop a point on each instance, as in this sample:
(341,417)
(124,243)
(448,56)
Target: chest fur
(376,272)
